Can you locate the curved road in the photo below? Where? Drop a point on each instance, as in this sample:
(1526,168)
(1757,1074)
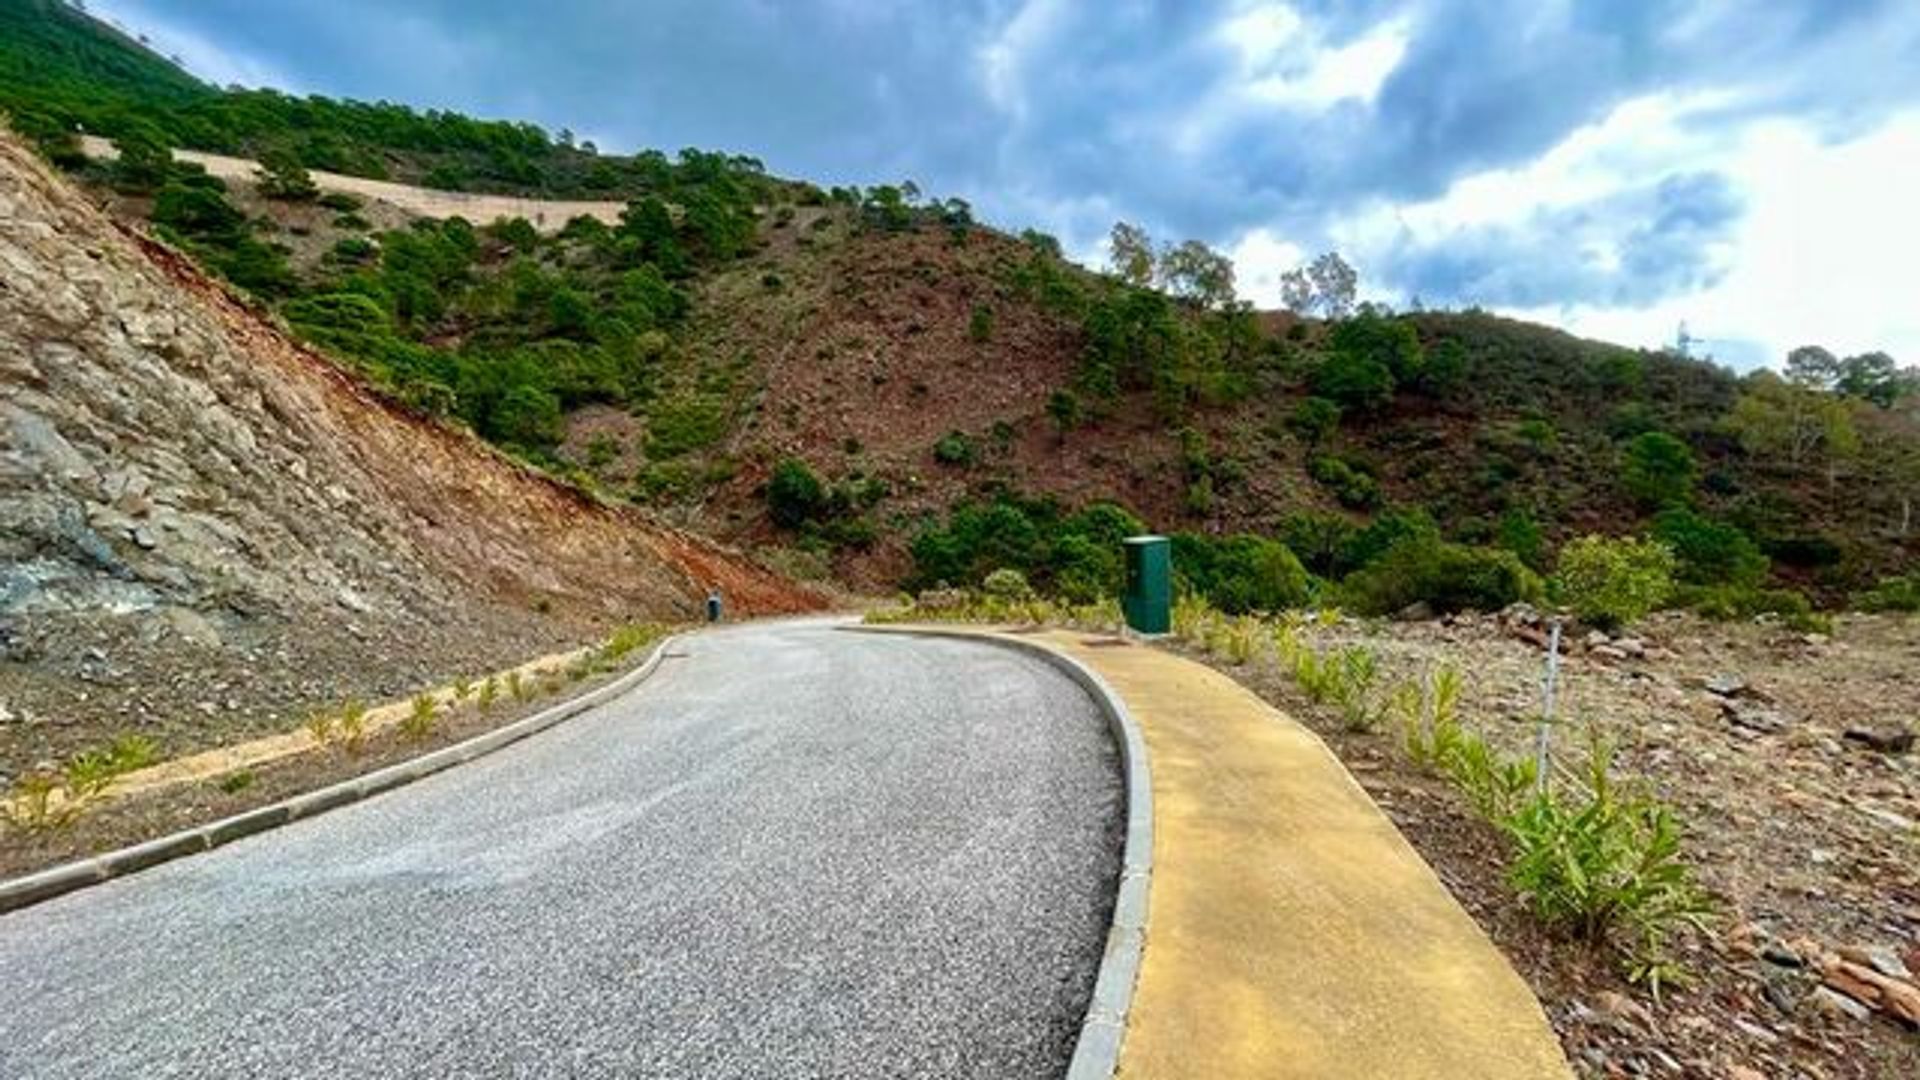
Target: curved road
(792,852)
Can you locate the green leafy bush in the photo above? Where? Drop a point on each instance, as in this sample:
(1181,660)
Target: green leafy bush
(1728,602)
(980,324)
(954,448)
(1447,577)
(1710,552)
(1892,594)
(1659,470)
(1604,866)
(1351,485)
(1007,584)
(1314,419)
(795,494)
(1353,381)
(1241,573)
(1520,534)
(1612,581)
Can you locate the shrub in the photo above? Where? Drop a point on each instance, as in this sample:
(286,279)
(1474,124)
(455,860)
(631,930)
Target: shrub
(1353,381)
(1241,573)
(1728,602)
(1318,539)
(954,448)
(1447,577)
(1892,594)
(1610,582)
(353,726)
(1351,485)
(1709,552)
(980,323)
(340,201)
(1064,408)
(1314,419)
(1007,584)
(795,494)
(1659,470)
(421,718)
(283,176)
(1605,868)
(1520,534)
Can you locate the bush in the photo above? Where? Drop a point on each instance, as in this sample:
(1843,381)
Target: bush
(1007,584)
(1352,486)
(1892,594)
(1317,539)
(1659,470)
(1353,381)
(795,494)
(1710,552)
(1728,602)
(1610,582)
(980,324)
(1520,534)
(283,176)
(1241,573)
(1605,868)
(954,448)
(1314,419)
(1447,577)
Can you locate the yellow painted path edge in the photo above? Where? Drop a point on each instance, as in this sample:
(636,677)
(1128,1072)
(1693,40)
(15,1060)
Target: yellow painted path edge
(1292,932)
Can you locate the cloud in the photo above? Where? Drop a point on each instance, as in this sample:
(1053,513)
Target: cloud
(1626,249)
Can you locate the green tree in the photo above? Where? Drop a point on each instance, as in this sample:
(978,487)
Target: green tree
(283,176)
(1787,421)
(1659,470)
(1130,254)
(1353,380)
(528,417)
(1199,273)
(143,162)
(795,494)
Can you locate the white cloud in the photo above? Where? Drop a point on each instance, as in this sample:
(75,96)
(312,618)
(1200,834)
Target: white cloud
(1824,255)
(1259,258)
(1823,252)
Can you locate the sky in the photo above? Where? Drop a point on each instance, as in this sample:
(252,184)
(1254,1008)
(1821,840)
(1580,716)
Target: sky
(1616,167)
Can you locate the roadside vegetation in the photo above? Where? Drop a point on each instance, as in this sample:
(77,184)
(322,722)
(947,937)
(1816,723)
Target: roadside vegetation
(1595,857)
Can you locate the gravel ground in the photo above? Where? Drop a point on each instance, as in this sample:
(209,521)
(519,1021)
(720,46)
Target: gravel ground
(794,852)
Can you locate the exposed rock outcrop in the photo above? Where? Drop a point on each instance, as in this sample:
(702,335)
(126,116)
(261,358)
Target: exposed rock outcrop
(200,517)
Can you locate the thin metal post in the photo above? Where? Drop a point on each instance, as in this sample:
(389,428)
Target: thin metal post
(1543,738)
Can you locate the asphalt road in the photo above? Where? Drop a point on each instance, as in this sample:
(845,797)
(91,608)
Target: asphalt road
(795,852)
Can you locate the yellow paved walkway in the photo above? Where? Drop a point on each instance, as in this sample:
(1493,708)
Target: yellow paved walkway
(1292,931)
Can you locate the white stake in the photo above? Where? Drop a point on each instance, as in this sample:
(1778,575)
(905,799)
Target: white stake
(1544,737)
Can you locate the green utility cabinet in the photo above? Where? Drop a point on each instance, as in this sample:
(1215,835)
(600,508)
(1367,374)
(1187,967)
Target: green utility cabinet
(1148,601)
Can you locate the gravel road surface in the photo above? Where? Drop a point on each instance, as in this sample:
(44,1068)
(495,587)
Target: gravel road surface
(794,852)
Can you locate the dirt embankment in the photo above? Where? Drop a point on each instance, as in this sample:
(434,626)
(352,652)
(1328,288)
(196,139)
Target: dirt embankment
(547,215)
(207,529)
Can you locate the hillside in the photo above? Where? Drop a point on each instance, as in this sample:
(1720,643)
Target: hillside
(868,384)
(206,528)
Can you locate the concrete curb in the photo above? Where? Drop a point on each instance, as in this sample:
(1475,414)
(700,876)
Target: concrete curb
(1096,1054)
(46,884)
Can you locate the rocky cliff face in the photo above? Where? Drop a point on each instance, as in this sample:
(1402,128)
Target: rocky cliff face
(205,527)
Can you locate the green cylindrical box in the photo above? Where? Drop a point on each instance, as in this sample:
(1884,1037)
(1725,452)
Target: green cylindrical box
(1148,601)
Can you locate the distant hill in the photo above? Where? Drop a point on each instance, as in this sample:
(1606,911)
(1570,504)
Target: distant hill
(869,384)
